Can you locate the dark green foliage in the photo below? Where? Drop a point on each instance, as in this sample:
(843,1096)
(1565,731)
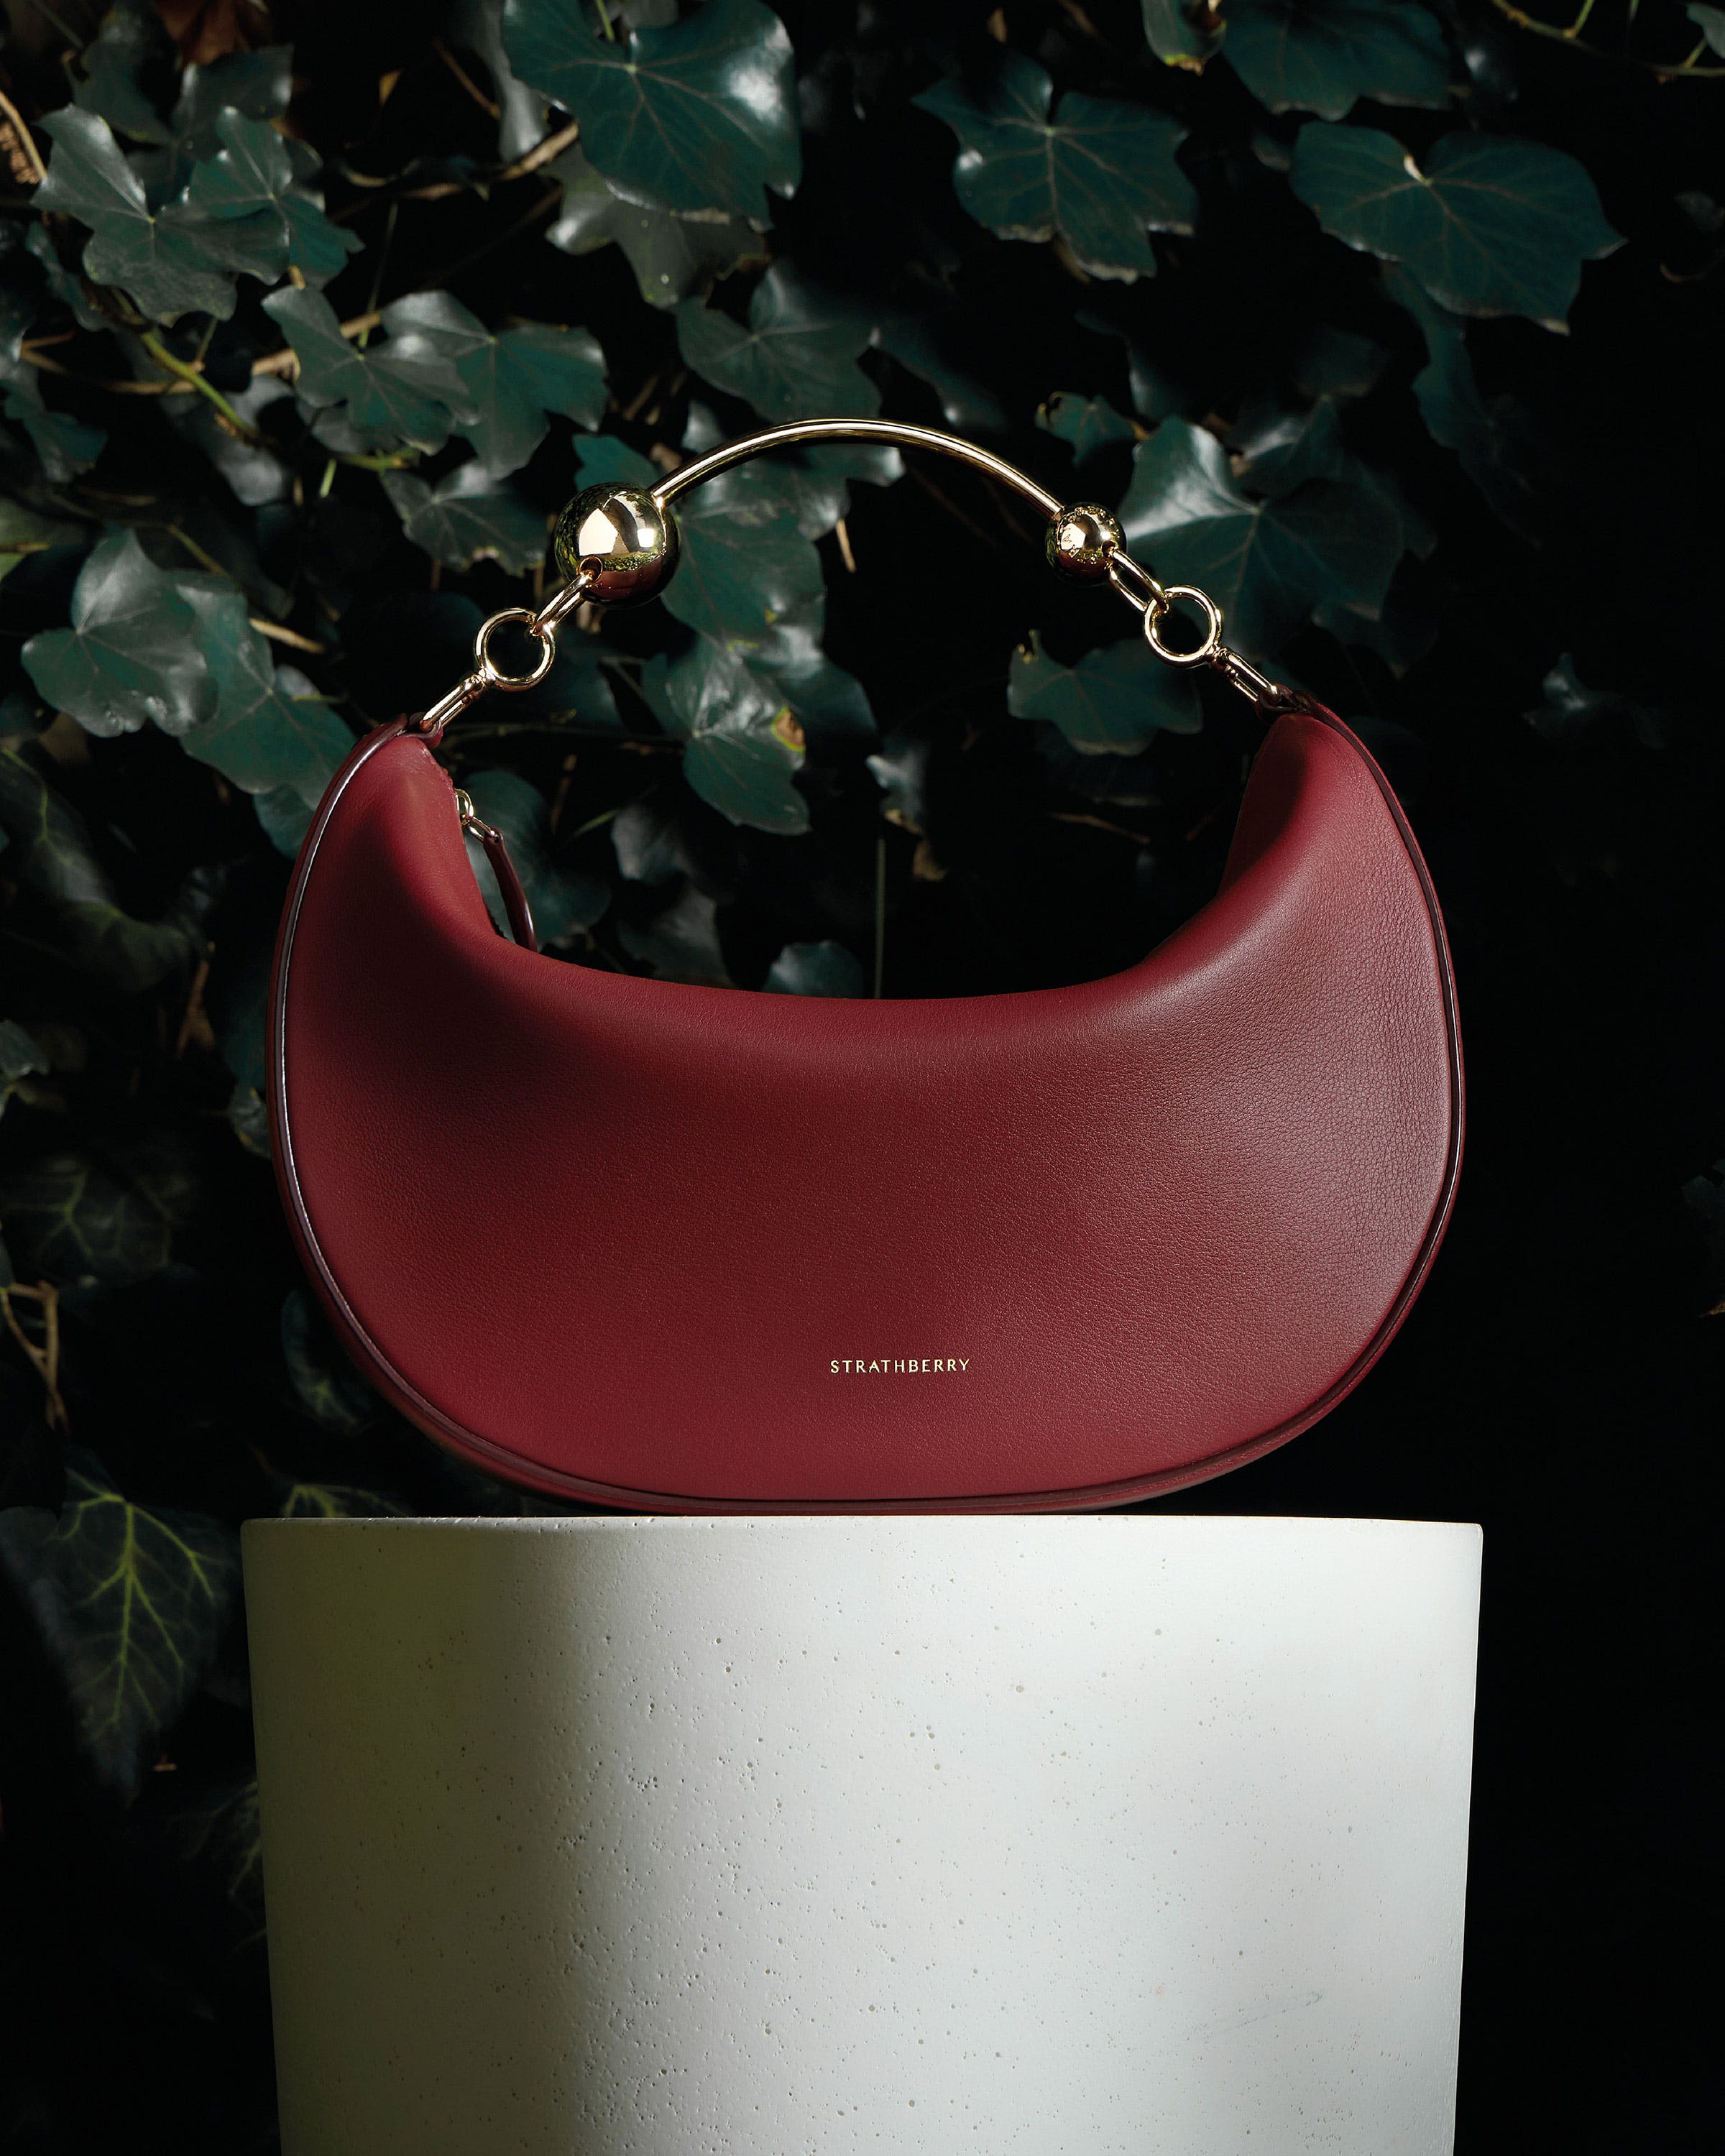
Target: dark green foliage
(1111,703)
(1096,175)
(1321,55)
(1488,226)
(563,902)
(797,356)
(699,115)
(1267,561)
(130,655)
(303,347)
(131,1604)
(159,258)
(670,253)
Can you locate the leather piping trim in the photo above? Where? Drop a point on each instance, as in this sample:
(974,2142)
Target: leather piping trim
(481,1452)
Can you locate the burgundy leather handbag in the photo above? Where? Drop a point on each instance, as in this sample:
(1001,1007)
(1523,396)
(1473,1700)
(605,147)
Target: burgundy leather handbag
(1057,1249)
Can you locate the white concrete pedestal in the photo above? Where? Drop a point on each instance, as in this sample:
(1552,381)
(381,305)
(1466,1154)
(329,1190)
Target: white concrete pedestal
(802,1837)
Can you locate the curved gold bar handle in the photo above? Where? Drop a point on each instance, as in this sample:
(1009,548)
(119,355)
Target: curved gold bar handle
(619,545)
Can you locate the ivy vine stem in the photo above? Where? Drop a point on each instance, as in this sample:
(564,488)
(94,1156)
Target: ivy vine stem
(171,364)
(1569,34)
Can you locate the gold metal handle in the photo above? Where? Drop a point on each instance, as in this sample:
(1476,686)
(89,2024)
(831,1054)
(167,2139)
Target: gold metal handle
(617,545)
(727,454)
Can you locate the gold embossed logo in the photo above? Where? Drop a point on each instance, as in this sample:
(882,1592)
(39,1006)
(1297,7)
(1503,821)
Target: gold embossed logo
(900,1365)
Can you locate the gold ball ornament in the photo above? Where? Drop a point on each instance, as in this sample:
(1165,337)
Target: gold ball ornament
(623,537)
(1079,541)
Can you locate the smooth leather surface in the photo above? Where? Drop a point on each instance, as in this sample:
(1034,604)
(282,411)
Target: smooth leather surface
(608,1235)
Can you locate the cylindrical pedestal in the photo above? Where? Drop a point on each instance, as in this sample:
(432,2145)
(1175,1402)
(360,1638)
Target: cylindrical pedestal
(722,1837)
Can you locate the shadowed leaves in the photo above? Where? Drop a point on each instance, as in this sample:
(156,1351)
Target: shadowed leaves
(697,115)
(512,379)
(468,515)
(256,211)
(130,655)
(160,258)
(1096,174)
(744,744)
(405,390)
(1489,226)
(1323,55)
(672,253)
(797,356)
(131,1605)
(1113,702)
(1265,564)
(563,902)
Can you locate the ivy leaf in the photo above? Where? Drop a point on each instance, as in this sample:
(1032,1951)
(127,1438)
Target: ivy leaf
(218,1829)
(51,856)
(751,581)
(466,515)
(1283,449)
(1332,362)
(258,84)
(577,689)
(335,1501)
(1089,424)
(814,969)
(69,1219)
(129,654)
(1711,22)
(744,744)
(405,391)
(1571,710)
(1321,55)
(819,473)
(512,377)
(1095,177)
(901,771)
(477,24)
(21,1060)
(1264,563)
(745,565)
(1172,30)
(1113,702)
(131,45)
(918,341)
(563,904)
(601,459)
(672,253)
(256,474)
(158,257)
(238,1004)
(68,289)
(1491,226)
(681,942)
(650,842)
(700,114)
(131,1604)
(258,217)
(1484,438)
(1403,626)
(270,728)
(66,446)
(326,1384)
(796,359)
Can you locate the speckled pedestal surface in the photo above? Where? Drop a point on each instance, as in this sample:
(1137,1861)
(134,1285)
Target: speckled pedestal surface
(618,1837)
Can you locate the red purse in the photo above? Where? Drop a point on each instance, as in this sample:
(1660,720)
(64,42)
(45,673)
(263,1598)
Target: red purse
(1064,1248)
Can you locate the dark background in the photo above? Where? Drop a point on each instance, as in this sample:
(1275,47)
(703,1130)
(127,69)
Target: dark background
(1560,1379)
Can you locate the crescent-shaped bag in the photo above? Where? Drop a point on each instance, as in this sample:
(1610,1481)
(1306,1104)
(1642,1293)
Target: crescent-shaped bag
(684,1249)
